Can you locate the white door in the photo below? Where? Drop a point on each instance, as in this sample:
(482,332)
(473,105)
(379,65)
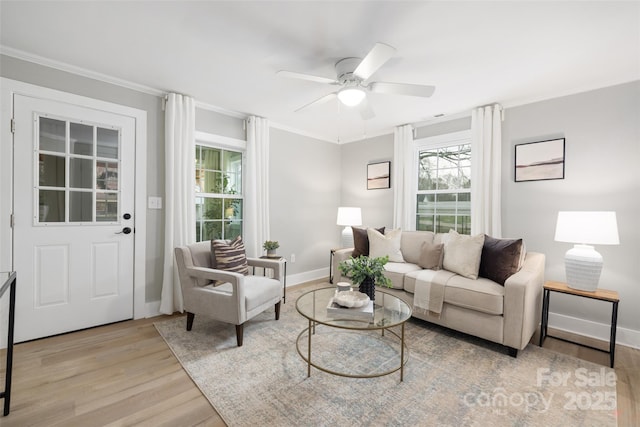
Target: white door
(73,217)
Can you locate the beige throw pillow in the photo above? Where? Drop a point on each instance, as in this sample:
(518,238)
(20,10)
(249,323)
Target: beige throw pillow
(462,254)
(387,244)
(431,256)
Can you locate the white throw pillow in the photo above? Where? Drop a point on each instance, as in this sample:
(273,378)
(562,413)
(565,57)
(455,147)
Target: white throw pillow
(462,254)
(387,244)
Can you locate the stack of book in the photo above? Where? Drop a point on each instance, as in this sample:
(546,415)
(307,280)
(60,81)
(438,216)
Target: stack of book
(336,311)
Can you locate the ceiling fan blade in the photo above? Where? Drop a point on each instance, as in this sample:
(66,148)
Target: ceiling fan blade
(402,89)
(318,101)
(302,76)
(366,111)
(376,57)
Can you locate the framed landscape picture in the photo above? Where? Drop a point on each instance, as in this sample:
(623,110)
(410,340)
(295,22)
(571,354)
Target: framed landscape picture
(541,160)
(378,175)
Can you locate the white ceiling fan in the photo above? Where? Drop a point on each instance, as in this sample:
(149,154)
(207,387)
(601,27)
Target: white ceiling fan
(352,77)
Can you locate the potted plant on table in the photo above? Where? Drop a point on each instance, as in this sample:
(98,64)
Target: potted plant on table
(366,272)
(270,246)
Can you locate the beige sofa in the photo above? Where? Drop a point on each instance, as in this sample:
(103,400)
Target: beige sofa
(508,315)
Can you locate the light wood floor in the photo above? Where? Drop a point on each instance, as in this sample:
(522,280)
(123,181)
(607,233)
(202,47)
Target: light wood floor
(124,374)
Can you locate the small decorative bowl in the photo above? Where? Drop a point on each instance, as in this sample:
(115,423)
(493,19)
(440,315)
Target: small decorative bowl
(351,299)
(343,286)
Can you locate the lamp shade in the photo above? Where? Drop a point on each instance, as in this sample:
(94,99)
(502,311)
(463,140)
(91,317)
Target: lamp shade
(349,216)
(583,264)
(593,228)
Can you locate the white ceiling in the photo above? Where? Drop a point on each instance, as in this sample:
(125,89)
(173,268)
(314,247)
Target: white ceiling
(226,54)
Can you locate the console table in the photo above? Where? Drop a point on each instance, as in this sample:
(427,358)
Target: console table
(598,294)
(8,280)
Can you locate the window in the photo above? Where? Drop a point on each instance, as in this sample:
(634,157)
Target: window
(218,193)
(77,172)
(443,199)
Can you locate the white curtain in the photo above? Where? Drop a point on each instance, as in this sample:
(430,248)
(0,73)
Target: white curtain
(256,210)
(179,222)
(403,178)
(486,145)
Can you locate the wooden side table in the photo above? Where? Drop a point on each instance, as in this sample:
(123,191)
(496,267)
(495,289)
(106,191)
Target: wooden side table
(598,294)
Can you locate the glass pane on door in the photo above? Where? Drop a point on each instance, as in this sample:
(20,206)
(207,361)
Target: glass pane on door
(51,171)
(80,206)
(107,143)
(106,207)
(81,139)
(51,206)
(81,173)
(53,135)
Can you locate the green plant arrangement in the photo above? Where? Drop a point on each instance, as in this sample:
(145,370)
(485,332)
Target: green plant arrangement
(366,272)
(270,245)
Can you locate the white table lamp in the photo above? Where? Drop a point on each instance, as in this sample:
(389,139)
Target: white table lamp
(348,217)
(582,263)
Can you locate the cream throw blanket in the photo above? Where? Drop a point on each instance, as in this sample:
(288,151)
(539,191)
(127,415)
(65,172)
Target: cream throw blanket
(429,293)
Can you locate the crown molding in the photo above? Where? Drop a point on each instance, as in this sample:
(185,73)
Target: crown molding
(63,66)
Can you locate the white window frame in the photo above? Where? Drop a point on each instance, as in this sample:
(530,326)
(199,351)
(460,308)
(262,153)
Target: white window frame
(224,143)
(431,143)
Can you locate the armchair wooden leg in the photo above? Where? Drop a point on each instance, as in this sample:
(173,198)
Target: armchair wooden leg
(190,317)
(278,310)
(239,333)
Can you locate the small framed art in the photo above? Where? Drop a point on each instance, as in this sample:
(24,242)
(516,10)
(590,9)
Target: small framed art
(378,175)
(542,160)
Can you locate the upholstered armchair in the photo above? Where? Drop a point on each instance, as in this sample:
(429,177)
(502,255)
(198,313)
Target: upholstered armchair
(223,295)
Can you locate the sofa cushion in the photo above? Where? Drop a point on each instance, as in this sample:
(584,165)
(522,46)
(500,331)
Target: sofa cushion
(462,254)
(411,243)
(431,256)
(388,244)
(500,258)
(481,294)
(396,272)
(361,241)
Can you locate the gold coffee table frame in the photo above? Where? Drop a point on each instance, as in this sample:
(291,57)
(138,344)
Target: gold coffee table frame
(388,311)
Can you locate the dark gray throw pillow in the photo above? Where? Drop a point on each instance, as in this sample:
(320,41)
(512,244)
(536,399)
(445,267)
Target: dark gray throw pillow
(361,241)
(500,258)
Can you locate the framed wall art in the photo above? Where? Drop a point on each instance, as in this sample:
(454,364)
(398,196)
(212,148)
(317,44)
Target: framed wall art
(542,160)
(378,175)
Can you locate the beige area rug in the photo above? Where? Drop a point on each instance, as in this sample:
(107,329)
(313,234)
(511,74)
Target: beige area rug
(450,379)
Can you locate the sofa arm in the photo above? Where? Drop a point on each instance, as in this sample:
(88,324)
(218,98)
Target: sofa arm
(522,301)
(340,255)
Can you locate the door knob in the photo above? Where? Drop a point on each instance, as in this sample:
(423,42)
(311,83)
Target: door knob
(125,230)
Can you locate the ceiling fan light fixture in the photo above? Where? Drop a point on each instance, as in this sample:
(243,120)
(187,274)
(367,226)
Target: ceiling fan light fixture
(351,96)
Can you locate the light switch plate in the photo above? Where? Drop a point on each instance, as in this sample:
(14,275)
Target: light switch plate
(155,203)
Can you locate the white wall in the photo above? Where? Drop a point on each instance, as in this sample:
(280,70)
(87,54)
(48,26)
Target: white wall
(602,131)
(305,181)
(376,205)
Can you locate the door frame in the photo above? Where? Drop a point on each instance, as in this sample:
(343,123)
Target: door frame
(8,88)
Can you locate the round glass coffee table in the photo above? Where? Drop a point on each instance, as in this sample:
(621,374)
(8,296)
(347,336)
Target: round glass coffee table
(388,312)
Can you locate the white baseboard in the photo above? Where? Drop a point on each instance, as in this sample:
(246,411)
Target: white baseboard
(153,309)
(307,276)
(600,331)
